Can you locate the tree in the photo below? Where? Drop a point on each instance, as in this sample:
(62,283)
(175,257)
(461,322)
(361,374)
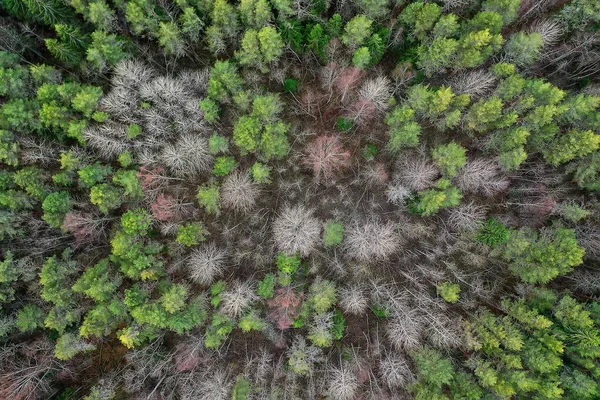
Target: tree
(404,130)
(493,233)
(209,197)
(573,144)
(433,371)
(169,37)
(98,282)
(506,8)
(449,291)
(260,173)
(106,196)
(191,234)
(106,50)
(356,31)
(322,295)
(449,158)
(296,230)
(539,258)
(56,205)
(224,165)
(259,48)
(438,55)
(326,156)
(136,222)
(421,18)
(9,274)
(484,114)
(333,234)
(374,9)
(69,344)
(474,48)
(29,318)
(361,58)
(55,279)
(523,49)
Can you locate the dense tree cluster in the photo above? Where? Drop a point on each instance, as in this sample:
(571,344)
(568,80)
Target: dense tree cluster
(276,199)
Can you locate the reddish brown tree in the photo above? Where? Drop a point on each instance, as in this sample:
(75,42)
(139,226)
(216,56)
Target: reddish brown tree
(326,156)
(285,307)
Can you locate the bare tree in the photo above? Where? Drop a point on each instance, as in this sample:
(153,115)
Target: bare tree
(237,298)
(343,384)
(476,83)
(326,156)
(395,371)
(239,192)
(376,91)
(416,172)
(404,329)
(550,30)
(466,216)
(397,193)
(296,230)
(131,74)
(372,241)
(165,91)
(206,263)
(353,299)
(188,156)
(482,176)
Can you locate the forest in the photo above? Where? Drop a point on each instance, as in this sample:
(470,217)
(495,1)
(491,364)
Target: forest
(299,199)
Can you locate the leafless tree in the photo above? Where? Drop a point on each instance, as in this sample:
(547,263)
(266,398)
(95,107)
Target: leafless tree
(353,299)
(131,74)
(215,385)
(588,236)
(237,298)
(165,90)
(482,176)
(188,156)
(37,151)
(396,193)
(239,192)
(550,30)
(206,263)
(343,384)
(296,230)
(195,79)
(444,330)
(404,329)
(416,172)
(326,156)
(395,371)
(376,91)
(477,83)
(121,102)
(466,216)
(372,241)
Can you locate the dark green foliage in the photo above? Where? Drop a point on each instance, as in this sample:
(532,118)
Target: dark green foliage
(291,84)
(55,206)
(493,233)
(344,124)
